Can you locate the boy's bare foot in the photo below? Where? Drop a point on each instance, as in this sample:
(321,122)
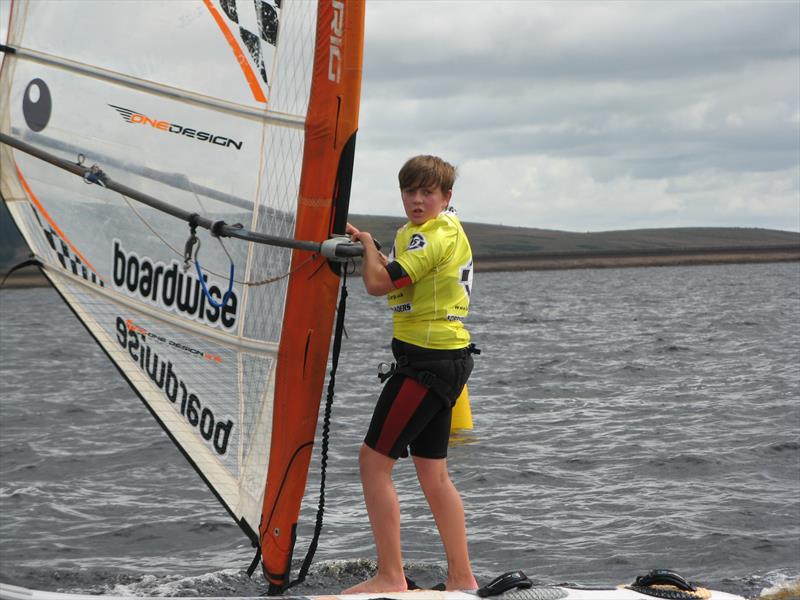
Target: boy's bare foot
(465,584)
(379,583)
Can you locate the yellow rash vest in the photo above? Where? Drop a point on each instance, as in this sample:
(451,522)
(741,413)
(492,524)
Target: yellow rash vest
(431,303)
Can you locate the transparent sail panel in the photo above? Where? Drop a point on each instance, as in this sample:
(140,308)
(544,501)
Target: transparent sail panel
(172,99)
(218,49)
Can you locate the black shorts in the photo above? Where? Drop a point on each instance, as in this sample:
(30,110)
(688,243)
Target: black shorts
(411,415)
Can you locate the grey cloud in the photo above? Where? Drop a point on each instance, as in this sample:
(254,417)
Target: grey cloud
(686,104)
(640,40)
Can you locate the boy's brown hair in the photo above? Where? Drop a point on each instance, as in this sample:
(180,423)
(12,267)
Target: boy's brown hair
(426,171)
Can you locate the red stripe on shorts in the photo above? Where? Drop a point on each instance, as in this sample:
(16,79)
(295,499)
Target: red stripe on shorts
(403,408)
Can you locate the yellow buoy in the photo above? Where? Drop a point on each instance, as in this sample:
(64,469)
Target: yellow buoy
(462,414)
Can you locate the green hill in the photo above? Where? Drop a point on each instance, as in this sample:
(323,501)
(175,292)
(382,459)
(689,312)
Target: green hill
(500,240)
(504,247)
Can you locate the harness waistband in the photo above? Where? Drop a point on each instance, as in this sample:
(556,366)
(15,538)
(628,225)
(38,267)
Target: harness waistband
(418,353)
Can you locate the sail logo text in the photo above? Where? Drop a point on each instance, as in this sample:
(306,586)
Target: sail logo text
(188,349)
(337,35)
(168,287)
(163,375)
(136,118)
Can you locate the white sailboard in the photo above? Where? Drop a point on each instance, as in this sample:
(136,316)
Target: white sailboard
(542,592)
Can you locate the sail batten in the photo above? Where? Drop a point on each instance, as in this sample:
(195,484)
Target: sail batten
(260,114)
(218,228)
(198,114)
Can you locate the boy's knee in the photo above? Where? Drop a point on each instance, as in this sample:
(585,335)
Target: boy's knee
(432,472)
(363,457)
(371,461)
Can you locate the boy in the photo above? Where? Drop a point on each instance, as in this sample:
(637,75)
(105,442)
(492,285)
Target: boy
(428,279)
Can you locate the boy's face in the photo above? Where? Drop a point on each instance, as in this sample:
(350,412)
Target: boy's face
(425,203)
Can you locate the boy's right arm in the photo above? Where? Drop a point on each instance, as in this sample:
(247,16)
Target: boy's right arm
(373,266)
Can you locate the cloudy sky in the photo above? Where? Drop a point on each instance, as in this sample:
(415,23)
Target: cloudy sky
(588,116)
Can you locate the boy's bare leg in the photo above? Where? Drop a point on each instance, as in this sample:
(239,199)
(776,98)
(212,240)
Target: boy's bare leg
(383,509)
(448,512)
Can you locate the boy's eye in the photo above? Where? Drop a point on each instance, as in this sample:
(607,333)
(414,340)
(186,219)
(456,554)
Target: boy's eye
(424,191)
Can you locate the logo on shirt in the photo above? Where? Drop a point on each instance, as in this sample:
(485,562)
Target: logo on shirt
(417,242)
(466,277)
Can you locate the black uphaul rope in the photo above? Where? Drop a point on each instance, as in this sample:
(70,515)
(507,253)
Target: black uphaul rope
(326,428)
(340,248)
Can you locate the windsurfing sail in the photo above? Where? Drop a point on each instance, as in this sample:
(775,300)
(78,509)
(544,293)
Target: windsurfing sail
(233,112)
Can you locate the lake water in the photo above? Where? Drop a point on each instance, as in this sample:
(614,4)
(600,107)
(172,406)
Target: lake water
(625,419)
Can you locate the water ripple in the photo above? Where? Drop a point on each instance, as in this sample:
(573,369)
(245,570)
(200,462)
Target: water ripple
(624,420)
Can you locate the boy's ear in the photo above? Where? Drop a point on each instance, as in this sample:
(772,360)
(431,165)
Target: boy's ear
(447,195)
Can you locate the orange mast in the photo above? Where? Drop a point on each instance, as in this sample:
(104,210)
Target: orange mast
(323,201)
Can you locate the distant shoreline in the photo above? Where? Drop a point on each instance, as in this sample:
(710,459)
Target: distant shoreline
(628,259)
(552,262)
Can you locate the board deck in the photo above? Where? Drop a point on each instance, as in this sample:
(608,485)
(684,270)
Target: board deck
(12,592)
